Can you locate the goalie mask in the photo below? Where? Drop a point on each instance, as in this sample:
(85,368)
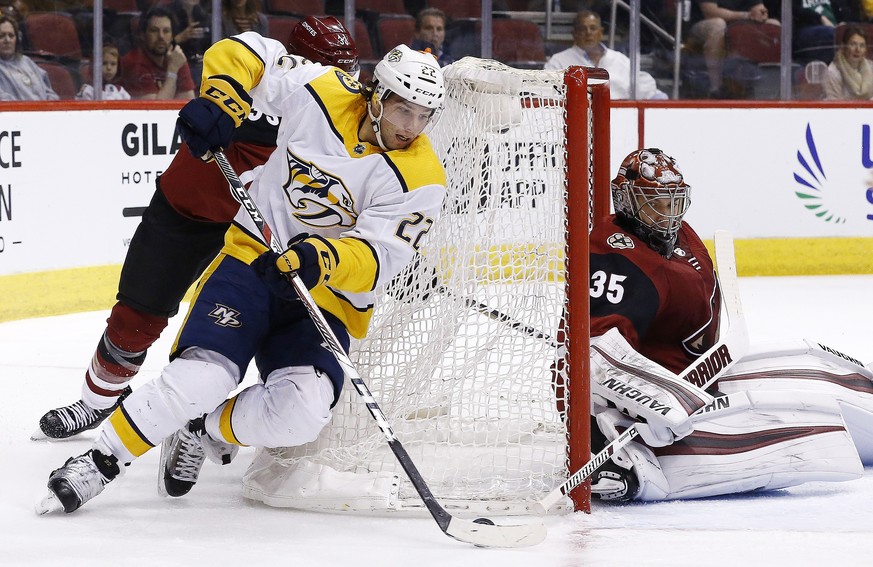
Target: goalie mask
(651,197)
(414,76)
(324,40)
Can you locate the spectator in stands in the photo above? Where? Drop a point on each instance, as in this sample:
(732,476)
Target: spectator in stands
(112,89)
(238,16)
(850,75)
(16,9)
(588,50)
(157,69)
(20,77)
(708,33)
(194,36)
(814,24)
(430,34)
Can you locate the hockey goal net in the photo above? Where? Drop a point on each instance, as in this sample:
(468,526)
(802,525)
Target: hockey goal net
(463,344)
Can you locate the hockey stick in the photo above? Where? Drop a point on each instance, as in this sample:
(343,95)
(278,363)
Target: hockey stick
(474,304)
(500,316)
(481,532)
(703,373)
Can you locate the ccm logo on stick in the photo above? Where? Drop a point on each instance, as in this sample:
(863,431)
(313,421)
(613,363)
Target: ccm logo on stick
(700,374)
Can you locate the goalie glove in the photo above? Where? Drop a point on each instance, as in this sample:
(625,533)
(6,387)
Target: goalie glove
(661,403)
(635,466)
(207,122)
(310,257)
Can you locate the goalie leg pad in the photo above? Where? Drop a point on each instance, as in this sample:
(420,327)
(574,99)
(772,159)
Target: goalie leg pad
(859,422)
(751,441)
(792,366)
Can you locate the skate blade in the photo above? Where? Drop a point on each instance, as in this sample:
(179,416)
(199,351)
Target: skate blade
(162,470)
(48,504)
(38,435)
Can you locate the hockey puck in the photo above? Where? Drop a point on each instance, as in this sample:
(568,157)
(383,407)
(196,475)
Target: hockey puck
(485,521)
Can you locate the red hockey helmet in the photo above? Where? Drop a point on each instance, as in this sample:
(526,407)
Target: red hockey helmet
(324,40)
(651,195)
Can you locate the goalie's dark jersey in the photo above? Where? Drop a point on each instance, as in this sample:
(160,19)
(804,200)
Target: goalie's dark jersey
(667,309)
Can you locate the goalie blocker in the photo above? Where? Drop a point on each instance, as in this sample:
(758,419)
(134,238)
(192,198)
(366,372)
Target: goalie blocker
(744,441)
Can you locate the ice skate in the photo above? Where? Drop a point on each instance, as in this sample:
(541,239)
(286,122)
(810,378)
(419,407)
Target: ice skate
(613,482)
(73,419)
(182,456)
(78,481)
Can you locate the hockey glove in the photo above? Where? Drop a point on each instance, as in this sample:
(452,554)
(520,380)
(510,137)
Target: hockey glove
(206,123)
(310,257)
(204,127)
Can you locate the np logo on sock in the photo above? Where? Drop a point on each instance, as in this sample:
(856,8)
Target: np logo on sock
(225,316)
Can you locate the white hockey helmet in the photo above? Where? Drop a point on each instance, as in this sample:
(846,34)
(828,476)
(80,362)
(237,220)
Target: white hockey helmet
(412,75)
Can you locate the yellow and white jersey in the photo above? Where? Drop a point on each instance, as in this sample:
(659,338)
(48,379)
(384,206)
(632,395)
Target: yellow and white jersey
(323,180)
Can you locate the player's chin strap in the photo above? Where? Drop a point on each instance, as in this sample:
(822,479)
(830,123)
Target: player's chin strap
(376,121)
(729,349)
(481,532)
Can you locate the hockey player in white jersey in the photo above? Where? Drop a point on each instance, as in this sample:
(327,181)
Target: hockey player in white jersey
(352,188)
(181,231)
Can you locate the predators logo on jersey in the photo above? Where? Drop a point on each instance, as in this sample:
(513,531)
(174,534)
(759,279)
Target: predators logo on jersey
(319,198)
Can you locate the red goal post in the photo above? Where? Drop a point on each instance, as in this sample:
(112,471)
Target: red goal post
(587,127)
(466,349)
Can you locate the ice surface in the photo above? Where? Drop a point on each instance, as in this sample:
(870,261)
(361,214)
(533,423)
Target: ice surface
(42,363)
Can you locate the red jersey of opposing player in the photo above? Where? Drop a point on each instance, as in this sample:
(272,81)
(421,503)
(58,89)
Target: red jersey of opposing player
(651,276)
(666,308)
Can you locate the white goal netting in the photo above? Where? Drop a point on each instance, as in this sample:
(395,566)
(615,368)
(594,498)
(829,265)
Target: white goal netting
(460,350)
